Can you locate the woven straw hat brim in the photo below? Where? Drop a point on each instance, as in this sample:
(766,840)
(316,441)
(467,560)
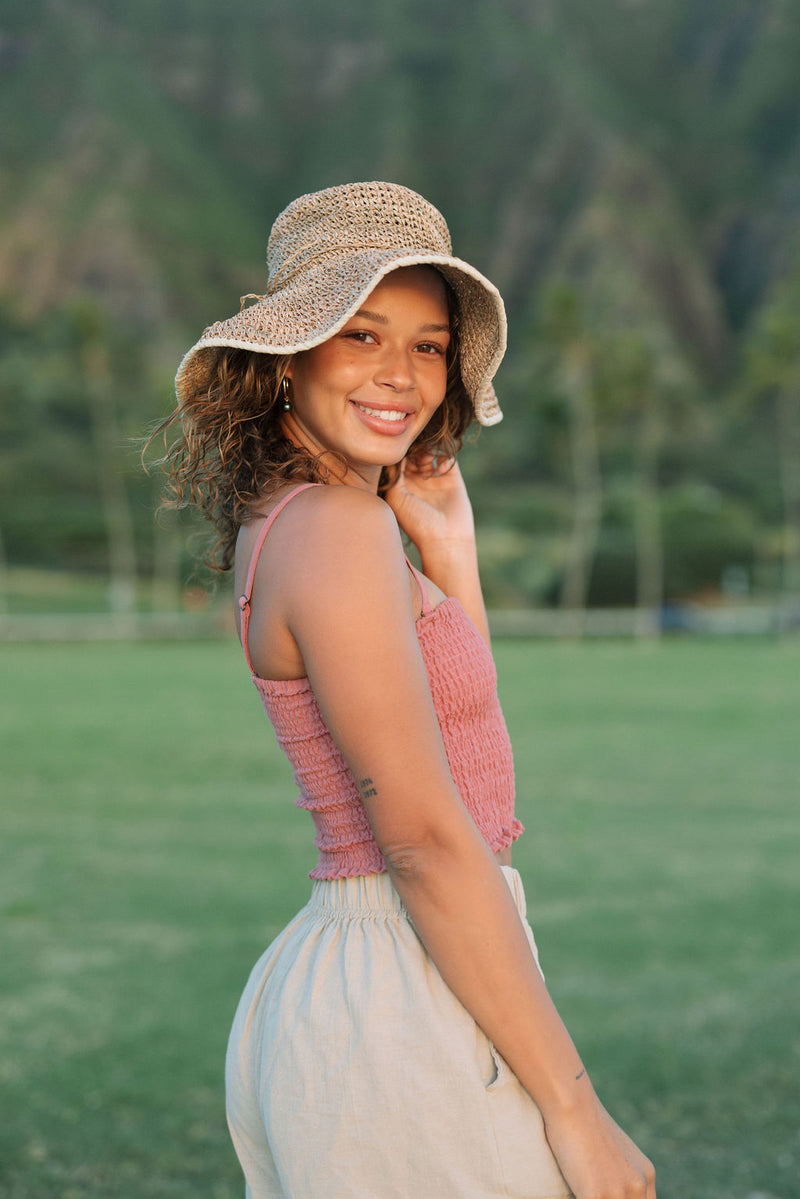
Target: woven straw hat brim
(309,310)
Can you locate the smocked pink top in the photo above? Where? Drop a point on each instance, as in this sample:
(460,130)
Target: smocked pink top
(463,684)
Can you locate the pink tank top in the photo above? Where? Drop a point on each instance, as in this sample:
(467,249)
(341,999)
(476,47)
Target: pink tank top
(463,684)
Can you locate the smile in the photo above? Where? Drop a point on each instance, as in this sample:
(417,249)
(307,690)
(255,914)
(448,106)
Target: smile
(385,414)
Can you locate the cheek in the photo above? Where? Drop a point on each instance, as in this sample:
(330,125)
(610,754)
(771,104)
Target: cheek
(433,412)
(441,387)
(328,368)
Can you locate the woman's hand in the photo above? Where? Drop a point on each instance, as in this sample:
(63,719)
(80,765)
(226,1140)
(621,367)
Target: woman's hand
(432,507)
(598,1159)
(431,504)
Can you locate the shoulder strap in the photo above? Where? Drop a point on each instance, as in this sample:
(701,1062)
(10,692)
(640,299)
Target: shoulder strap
(426,603)
(244,600)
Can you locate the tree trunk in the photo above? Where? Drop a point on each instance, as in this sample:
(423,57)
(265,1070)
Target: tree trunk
(649,547)
(587,490)
(114,498)
(3,575)
(166,585)
(789,475)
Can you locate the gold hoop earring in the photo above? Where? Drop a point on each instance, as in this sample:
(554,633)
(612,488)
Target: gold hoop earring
(287,403)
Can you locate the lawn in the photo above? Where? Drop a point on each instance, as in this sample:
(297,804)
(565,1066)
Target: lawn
(150,849)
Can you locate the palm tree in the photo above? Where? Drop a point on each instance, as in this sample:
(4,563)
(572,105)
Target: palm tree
(566,335)
(100,393)
(773,371)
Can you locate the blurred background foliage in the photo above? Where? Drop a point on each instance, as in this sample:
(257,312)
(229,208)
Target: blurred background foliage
(626,172)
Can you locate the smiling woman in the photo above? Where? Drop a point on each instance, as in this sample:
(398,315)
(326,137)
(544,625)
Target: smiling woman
(397,1038)
(383,376)
(244,444)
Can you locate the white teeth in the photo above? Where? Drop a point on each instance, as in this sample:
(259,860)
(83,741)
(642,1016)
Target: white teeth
(382,413)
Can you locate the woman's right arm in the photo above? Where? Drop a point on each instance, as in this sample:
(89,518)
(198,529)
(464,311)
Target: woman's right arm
(343,588)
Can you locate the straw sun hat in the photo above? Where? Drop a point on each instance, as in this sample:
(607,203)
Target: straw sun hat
(327,251)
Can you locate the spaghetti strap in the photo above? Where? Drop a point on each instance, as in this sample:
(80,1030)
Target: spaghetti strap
(244,600)
(246,597)
(426,603)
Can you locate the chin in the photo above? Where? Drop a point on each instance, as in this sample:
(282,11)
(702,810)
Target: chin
(389,457)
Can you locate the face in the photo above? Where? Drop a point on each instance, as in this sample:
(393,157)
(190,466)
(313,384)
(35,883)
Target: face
(370,389)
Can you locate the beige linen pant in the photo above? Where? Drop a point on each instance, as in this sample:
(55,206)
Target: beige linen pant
(353,1072)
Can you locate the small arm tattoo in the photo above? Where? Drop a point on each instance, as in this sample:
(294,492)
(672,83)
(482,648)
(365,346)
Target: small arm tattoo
(367,788)
(577,1076)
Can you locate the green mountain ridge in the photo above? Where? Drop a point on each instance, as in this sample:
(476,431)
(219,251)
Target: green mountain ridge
(635,163)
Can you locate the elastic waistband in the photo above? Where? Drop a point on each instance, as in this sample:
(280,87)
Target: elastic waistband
(376,894)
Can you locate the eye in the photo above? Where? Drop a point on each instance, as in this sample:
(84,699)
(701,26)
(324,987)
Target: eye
(362,336)
(430,347)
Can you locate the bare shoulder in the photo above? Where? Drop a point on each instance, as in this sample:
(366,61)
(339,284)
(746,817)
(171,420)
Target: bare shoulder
(334,503)
(340,560)
(327,525)
(332,563)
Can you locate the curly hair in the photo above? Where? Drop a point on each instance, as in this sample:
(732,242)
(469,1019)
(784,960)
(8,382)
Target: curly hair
(231,449)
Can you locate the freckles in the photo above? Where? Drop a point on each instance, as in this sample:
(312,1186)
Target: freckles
(333,357)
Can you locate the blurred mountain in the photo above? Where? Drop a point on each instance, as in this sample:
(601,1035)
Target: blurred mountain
(646,156)
(147,147)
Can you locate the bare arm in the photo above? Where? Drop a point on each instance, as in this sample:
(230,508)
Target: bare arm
(432,507)
(347,604)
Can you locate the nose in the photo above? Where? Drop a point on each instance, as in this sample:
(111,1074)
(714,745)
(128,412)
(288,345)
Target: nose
(396,370)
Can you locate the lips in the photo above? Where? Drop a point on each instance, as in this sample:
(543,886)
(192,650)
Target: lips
(384,419)
(387,414)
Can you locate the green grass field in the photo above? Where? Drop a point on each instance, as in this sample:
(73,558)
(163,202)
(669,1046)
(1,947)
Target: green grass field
(150,849)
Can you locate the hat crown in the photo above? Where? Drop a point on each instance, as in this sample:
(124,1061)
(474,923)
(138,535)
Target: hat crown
(327,252)
(350,219)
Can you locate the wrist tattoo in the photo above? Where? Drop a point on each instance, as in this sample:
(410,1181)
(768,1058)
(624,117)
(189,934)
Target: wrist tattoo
(577,1076)
(367,788)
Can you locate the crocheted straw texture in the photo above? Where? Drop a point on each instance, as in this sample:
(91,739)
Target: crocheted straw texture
(463,684)
(327,251)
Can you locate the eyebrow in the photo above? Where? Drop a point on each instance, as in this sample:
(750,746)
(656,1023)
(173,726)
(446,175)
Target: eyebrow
(380,319)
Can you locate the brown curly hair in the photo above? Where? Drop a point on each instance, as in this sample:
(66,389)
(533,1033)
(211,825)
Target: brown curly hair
(231,450)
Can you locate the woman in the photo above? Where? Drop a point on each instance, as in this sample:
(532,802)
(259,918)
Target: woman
(397,1039)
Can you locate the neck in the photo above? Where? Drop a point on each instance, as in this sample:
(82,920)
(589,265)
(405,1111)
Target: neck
(342,473)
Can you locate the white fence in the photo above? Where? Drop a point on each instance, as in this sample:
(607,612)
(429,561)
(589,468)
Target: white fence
(764,620)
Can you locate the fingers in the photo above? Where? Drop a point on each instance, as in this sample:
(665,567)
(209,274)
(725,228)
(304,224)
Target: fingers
(427,465)
(650,1176)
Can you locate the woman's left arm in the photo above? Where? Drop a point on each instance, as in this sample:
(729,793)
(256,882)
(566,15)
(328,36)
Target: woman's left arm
(432,507)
